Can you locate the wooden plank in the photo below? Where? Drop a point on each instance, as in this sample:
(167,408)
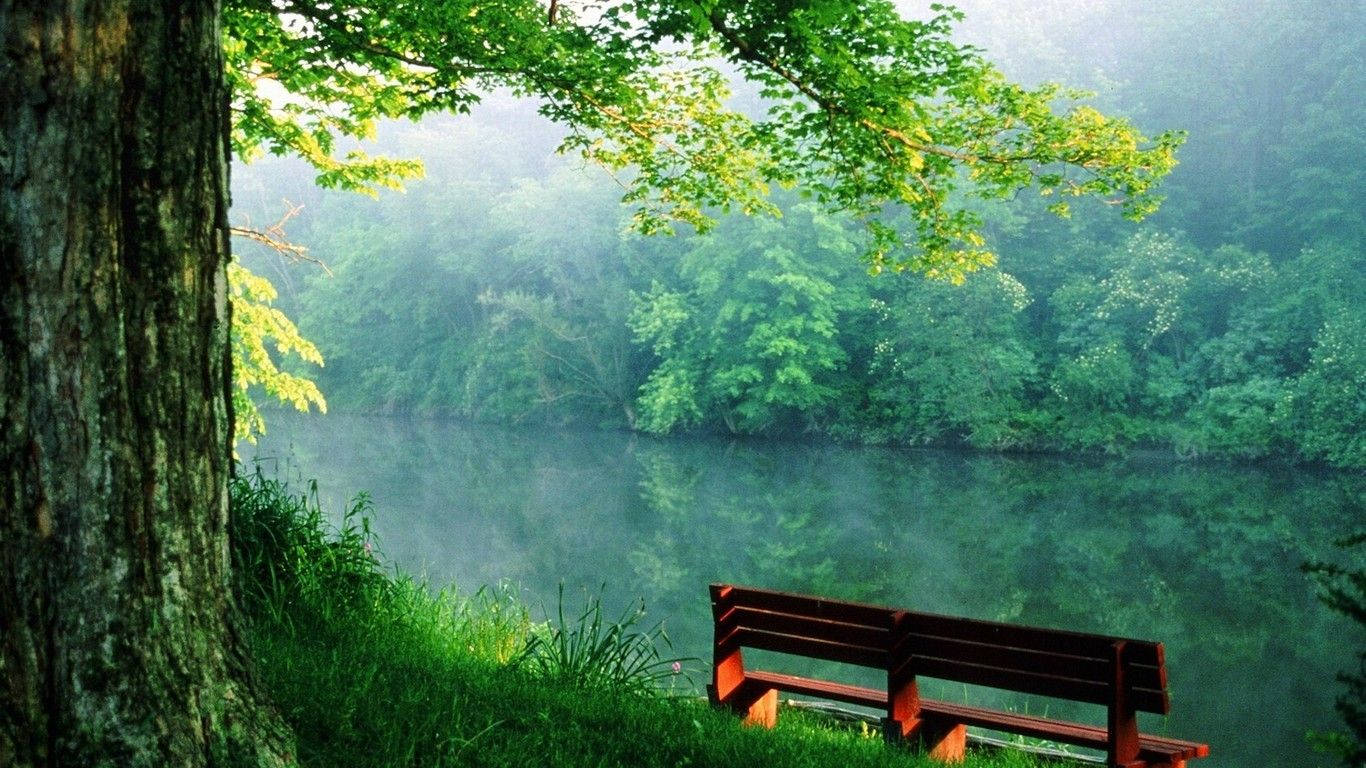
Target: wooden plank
(1143,676)
(1186,749)
(1057,686)
(816,629)
(998,633)
(1006,657)
(1064,642)
(850,694)
(1080,734)
(1031,638)
(1027,660)
(1089,691)
(1160,665)
(1155,700)
(720,599)
(803,605)
(846,653)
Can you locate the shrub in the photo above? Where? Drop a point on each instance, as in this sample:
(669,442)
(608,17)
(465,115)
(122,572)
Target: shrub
(595,654)
(1343,589)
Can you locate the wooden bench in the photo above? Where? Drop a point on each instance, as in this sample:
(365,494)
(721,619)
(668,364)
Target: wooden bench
(1125,676)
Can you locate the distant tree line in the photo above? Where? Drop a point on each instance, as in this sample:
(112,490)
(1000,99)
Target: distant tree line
(1233,324)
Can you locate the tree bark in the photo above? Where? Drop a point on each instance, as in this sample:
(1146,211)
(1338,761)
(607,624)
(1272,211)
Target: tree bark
(117,643)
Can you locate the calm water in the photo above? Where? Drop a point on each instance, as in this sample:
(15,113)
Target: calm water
(1202,558)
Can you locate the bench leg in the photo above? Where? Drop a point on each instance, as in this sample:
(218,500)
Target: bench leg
(942,741)
(758,705)
(764,711)
(951,745)
(945,742)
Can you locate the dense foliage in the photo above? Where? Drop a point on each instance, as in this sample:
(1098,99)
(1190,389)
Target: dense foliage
(1343,588)
(502,288)
(258,327)
(865,110)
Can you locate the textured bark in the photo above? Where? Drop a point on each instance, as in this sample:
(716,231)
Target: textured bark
(118,645)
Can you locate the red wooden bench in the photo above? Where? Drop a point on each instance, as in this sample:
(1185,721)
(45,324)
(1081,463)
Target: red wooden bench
(1125,676)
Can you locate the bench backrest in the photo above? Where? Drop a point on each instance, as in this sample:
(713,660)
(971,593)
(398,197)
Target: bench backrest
(814,627)
(1046,662)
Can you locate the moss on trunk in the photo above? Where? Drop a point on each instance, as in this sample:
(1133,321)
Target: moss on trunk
(119,645)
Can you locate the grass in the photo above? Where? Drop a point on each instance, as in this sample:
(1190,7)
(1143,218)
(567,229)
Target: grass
(371,668)
(590,653)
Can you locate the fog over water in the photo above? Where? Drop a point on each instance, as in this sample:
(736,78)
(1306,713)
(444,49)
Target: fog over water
(1200,557)
(1229,328)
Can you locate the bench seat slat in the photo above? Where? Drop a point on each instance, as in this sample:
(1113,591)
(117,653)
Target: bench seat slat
(814,628)
(849,694)
(1079,734)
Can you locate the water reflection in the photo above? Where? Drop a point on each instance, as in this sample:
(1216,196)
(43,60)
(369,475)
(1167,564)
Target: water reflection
(1202,558)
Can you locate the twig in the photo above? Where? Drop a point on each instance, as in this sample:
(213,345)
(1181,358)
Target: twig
(274,237)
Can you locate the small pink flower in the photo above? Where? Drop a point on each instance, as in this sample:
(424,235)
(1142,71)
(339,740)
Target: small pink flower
(368,548)
(678,667)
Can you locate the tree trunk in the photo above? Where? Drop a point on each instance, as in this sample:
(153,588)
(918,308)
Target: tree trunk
(118,644)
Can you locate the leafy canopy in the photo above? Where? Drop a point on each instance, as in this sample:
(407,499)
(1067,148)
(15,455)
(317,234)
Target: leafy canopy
(872,115)
(869,113)
(256,323)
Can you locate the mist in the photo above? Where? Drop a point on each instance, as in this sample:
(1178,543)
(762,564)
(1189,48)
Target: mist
(535,395)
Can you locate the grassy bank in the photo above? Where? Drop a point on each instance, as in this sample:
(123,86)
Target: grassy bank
(373,669)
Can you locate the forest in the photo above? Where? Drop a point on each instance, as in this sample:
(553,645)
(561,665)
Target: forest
(505,286)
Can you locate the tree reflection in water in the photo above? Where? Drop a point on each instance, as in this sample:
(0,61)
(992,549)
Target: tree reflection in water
(1201,557)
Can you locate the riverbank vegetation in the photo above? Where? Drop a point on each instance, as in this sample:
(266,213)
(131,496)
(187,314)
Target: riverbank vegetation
(370,668)
(1231,325)
(1343,588)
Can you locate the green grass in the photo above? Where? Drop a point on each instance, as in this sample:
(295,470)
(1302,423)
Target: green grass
(372,669)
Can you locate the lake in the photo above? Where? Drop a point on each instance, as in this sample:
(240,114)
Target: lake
(1202,557)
